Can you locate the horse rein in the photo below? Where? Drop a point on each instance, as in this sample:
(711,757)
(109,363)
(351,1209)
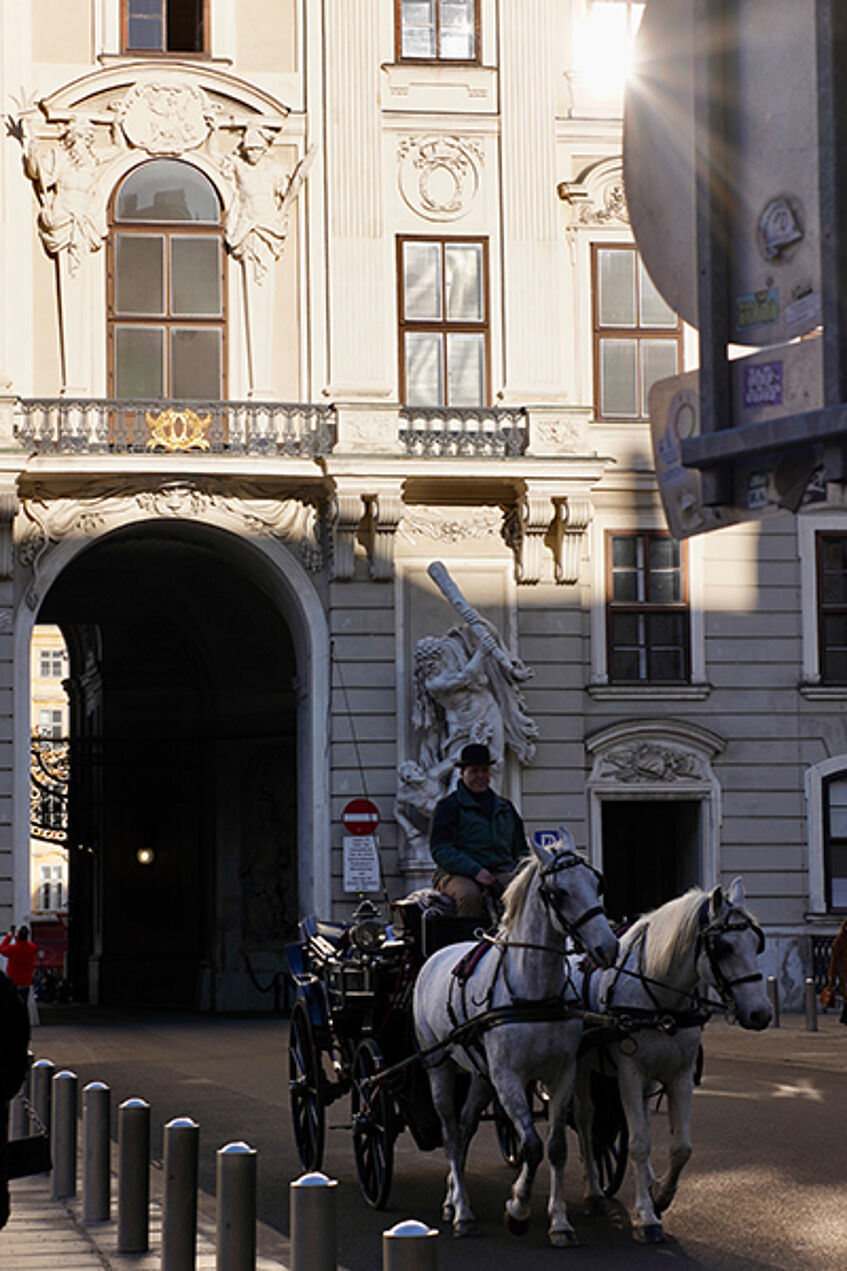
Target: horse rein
(566,859)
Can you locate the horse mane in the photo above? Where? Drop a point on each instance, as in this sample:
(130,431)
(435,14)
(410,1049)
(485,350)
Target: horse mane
(669,933)
(514,897)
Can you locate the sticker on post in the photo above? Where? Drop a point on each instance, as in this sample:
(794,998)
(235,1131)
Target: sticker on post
(758,309)
(762,385)
(804,313)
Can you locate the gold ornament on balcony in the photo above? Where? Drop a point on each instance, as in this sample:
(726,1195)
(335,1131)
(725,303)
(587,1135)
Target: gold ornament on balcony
(178,430)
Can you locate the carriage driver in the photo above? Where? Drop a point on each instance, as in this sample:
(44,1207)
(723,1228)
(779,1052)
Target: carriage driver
(477,836)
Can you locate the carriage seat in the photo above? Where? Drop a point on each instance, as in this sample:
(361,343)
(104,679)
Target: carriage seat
(429,918)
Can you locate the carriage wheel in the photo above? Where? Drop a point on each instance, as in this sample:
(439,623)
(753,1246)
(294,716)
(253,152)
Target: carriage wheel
(305,1089)
(611,1155)
(374,1122)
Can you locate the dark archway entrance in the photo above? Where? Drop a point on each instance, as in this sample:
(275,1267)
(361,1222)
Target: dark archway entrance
(651,853)
(182,802)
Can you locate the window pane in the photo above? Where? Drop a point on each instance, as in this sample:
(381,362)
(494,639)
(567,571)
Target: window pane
(618,379)
(424,375)
(139,274)
(195,363)
(655,312)
(658,362)
(625,663)
(418,28)
(465,369)
(666,630)
(185,26)
(463,277)
(625,551)
(422,281)
(663,553)
(144,24)
(167,190)
(139,362)
(457,29)
(625,630)
(616,280)
(625,585)
(665,664)
(195,277)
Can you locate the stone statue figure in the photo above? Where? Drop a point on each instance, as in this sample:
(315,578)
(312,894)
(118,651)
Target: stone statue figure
(257,216)
(466,689)
(72,215)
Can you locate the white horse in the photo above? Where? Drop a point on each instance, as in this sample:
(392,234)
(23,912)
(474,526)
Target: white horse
(670,961)
(508,1023)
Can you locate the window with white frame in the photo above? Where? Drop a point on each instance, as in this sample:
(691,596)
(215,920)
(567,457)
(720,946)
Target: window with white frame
(835,840)
(637,336)
(647,609)
(443,304)
(50,722)
(832,607)
(51,887)
(437,30)
(51,664)
(164,26)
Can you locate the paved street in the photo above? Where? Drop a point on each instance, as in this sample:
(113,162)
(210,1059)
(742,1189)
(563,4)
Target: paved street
(766,1187)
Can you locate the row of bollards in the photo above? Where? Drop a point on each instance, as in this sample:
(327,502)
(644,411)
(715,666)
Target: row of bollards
(52,1107)
(810,1002)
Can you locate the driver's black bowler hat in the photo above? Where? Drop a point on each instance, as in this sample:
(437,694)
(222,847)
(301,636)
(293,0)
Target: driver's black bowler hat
(475,755)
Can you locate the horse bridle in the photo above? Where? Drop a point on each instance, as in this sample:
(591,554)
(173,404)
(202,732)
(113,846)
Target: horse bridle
(711,942)
(566,859)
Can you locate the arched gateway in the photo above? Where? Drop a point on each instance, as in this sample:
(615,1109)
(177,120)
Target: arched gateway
(198,818)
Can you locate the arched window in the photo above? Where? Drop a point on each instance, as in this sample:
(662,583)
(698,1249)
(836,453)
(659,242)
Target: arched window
(166,299)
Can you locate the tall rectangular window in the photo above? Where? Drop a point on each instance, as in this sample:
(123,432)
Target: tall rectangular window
(832,607)
(51,887)
(51,664)
(647,613)
(835,841)
(164,26)
(637,336)
(437,30)
(443,305)
(50,722)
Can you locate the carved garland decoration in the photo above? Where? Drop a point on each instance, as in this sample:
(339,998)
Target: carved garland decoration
(438,176)
(44,521)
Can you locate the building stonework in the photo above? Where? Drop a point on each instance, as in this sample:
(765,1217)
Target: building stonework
(284,321)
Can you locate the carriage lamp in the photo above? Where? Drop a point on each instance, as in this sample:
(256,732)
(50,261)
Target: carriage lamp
(367,932)
(145,856)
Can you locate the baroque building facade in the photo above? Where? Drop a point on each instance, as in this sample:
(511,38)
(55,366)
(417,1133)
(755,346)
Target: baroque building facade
(298,299)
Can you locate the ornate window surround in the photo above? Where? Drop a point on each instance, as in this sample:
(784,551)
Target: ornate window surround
(656,759)
(809,524)
(815,778)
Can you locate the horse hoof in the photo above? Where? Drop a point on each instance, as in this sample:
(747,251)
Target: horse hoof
(465,1227)
(564,1239)
(517,1226)
(652,1233)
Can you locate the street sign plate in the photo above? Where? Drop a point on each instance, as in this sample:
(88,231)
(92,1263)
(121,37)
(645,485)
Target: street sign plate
(766,386)
(770,170)
(360,817)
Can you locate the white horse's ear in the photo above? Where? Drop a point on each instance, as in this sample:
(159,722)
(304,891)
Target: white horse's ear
(566,838)
(716,901)
(735,895)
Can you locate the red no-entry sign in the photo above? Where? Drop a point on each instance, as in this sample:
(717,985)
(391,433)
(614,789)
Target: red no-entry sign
(360,817)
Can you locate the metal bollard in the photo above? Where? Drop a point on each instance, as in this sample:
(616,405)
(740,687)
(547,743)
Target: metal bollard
(410,1246)
(63,1134)
(179,1202)
(811,1007)
(312,1211)
(133,1176)
(236,1208)
(96,1152)
(42,1091)
(773,994)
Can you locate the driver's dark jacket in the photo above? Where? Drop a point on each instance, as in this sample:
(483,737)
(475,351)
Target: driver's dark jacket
(472,832)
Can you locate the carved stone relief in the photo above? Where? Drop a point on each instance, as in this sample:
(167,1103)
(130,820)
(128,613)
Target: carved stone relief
(649,762)
(434,524)
(44,520)
(439,177)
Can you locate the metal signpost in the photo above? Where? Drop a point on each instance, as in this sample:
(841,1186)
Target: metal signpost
(735,161)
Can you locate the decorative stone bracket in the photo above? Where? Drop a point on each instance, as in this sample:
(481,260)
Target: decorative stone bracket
(370,516)
(548,518)
(8,510)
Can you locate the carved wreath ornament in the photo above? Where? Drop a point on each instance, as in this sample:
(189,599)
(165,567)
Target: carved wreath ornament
(646,761)
(439,176)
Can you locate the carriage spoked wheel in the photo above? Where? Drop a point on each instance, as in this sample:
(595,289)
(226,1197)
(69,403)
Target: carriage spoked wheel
(611,1155)
(374,1125)
(305,1088)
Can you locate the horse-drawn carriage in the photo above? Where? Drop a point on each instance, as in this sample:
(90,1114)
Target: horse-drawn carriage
(427,1034)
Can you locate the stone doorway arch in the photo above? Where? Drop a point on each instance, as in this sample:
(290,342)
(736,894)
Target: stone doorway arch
(651,781)
(204,644)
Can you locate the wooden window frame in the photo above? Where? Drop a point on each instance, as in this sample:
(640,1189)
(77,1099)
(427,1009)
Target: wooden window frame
(436,59)
(637,333)
(168,230)
(825,607)
(129,51)
(645,607)
(829,840)
(445,326)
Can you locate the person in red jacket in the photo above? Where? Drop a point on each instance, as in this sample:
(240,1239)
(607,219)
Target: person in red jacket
(21,954)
